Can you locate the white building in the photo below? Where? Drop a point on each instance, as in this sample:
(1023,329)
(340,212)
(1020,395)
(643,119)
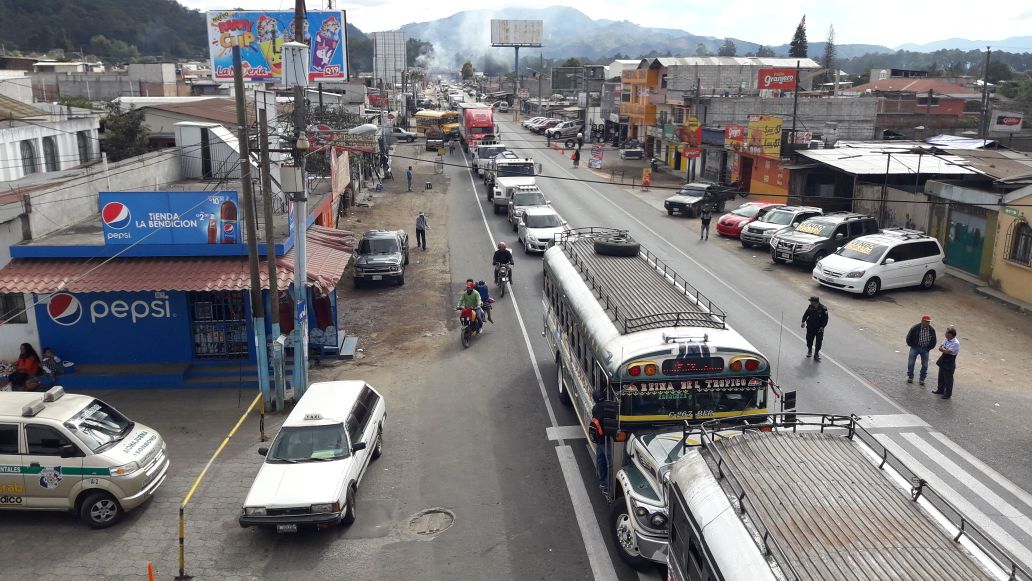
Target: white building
(45,137)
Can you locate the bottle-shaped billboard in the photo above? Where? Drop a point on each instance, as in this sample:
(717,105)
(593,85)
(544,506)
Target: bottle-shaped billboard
(228,215)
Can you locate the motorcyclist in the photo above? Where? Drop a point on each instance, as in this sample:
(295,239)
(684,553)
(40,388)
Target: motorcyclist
(470,299)
(502,256)
(485,299)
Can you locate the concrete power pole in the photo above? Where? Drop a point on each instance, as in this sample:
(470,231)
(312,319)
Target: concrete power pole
(270,240)
(300,230)
(984,126)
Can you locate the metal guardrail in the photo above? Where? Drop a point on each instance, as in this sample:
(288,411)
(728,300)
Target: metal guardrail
(711,432)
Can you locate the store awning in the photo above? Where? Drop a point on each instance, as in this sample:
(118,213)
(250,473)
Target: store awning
(329,251)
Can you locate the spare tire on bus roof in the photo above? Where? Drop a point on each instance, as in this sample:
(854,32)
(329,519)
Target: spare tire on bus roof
(617,246)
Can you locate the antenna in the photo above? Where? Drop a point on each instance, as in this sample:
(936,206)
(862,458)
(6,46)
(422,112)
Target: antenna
(781,333)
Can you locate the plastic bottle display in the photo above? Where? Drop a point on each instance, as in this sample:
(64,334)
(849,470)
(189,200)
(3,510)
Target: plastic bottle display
(228,214)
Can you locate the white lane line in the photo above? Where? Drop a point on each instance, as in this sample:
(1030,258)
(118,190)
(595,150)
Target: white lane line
(950,467)
(892,421)
(599,559)
(734,290)
(564,432)
(1018,550)
(598,555)
(1000,479)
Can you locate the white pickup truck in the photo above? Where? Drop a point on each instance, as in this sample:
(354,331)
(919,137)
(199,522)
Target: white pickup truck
(505,187)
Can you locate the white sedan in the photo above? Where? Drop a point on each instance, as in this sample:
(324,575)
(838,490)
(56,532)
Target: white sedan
(537,228)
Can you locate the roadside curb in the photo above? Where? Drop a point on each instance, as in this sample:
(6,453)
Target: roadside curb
(981,288)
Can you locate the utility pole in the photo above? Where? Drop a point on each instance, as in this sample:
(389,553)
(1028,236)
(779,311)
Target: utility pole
(541,76)
(300,228)
(984,127)
(795,103)
(250,221)
(270,240)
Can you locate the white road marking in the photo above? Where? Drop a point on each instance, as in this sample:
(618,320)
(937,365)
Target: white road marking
(995,532)
(1000,479)
(564,432)
(599,559)
(892,421)
(598,555)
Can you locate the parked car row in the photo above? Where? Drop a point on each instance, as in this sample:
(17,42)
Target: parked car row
(845,250)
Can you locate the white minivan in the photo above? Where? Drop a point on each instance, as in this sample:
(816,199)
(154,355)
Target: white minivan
(68,452)
(893,258)
(312,470)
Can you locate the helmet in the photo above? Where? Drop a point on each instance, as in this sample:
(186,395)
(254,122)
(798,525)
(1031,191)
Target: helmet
(501,246)
(481,283)
(580,135)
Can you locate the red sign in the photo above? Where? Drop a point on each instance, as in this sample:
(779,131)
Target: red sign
(734,137)
(690,152)
(777,79)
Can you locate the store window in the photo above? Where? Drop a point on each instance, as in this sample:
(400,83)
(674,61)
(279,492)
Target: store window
(82,140)
(50,154)
(625,95)
(1021,246)
(219,325)
(678,115)
(12,309)
(30,164)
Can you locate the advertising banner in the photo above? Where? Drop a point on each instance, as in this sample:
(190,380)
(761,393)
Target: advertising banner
(690,133)
(776,79)
(763,136)
(596,156)
(170,218)
(1006,121)
(260,36)
(734,137)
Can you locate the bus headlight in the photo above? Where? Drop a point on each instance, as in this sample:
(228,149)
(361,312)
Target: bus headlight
(649,517)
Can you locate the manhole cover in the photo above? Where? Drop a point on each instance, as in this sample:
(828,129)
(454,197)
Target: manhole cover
(431,521)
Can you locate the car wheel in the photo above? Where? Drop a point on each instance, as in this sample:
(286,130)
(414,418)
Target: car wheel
(350,513)
(623,536)
(406,258)
(401,280)
(358,283)
(928,280)
(817,257)
(872,287)
(745,244)
(774,258)
(526,247)
(564,396)
(378,448)
(100,510)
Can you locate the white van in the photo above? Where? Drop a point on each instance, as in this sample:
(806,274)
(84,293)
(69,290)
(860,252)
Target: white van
(76,453)
(314,466)
(893,258)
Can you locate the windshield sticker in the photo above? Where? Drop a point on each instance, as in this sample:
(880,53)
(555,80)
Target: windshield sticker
(861,247)
(807,228)
(50,478)
(137,440)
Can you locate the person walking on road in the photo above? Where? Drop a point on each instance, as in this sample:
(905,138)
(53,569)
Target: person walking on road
(576,158)
(451,147)
(421,228)
(704,218)
(815,318)
(947,363)
(408,176)
(920,339)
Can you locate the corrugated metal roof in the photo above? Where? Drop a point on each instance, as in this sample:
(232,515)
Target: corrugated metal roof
(329,251)
(736,61)
(15,109)
(881,161)
(1002,165)
(959,142)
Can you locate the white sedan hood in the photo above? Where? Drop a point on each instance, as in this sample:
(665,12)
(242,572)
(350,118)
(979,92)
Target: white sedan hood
(286,485)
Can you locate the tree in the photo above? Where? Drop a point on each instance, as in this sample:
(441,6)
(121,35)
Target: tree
(828,60)
(728,49)
(124,133)
(701,50)
(571,62)
(467,71)
(765,52)
(798,46)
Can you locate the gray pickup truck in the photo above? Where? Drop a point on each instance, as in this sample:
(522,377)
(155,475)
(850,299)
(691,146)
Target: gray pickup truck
(693,197)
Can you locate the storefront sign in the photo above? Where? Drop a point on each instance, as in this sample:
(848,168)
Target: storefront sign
(776,79)
(1006,121)
(690,133)
(260,36)
(764,135)
(691,152)
(170,218)
(523,93)
(734,137)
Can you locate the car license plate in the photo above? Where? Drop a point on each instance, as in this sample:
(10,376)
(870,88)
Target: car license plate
(824,280)
(286,528)
(785,255)
(377,277)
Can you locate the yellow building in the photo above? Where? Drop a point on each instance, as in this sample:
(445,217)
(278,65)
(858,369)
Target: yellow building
(635,103)
(1012,252)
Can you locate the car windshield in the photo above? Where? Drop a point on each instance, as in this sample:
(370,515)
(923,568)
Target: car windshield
(524,169)
(747,211)
(779,217)
(544,221)
(529,199)
(99,426)
(492,151)
(861,250)
(693,191)
(309,444)
(822,229)
(378,246)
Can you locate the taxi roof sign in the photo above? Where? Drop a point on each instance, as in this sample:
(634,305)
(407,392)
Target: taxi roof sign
(313,416)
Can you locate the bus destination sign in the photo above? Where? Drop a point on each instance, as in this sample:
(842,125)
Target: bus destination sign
(711,384)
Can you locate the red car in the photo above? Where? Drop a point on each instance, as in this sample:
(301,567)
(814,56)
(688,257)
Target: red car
(731,224)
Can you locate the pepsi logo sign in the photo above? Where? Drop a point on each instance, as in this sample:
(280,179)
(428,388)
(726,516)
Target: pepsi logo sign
(64,309)
(116,215)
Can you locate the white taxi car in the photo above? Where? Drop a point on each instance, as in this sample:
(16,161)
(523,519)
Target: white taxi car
(312,471)
(893,258)
(537,228)
(68,452)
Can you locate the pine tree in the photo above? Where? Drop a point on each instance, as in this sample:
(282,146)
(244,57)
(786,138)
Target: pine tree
(765,51)
(828,60)
(798,46)
(729,48)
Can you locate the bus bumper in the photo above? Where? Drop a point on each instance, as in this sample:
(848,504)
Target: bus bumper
(651,548)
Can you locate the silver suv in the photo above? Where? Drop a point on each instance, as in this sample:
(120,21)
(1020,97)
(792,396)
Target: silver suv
(381,255)
(759,232)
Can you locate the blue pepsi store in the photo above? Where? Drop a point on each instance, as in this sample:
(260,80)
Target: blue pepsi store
(155,292)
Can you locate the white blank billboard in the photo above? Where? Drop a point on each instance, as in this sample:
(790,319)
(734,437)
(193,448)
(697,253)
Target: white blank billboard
(388,57)
(516,32)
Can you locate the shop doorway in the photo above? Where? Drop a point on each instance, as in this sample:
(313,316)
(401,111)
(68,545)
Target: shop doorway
(218,322)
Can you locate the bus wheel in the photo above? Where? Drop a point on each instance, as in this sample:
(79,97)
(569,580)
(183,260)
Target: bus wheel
(623,536)
(564,396)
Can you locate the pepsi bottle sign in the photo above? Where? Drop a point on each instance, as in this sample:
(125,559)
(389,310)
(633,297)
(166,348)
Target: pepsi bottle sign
(169,217)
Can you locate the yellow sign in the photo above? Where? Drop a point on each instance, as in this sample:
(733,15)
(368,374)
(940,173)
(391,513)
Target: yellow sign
(764,135)
(860,247)
(814,229)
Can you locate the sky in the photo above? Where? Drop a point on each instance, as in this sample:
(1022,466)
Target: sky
(885,22)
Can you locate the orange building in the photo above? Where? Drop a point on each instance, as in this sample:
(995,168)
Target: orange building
(635,104)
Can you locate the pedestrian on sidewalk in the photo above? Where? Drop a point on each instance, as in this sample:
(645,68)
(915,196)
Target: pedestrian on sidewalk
(920,339)
(451,147)
(947,363)
(815,318)
(408,176)
(421,228)
(704,218)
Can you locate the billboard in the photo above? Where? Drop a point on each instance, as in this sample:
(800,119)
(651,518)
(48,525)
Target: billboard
(389,57)
(170,218)
(734,137)
(516,32)
(260,36)
(690,133)
(1006,121)
(763,136)
(776,79)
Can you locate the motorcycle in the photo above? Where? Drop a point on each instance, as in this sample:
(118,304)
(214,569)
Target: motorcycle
(503,272)
(471,324)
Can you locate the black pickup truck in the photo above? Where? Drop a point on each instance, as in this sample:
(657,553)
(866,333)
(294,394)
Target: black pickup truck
(694,196)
